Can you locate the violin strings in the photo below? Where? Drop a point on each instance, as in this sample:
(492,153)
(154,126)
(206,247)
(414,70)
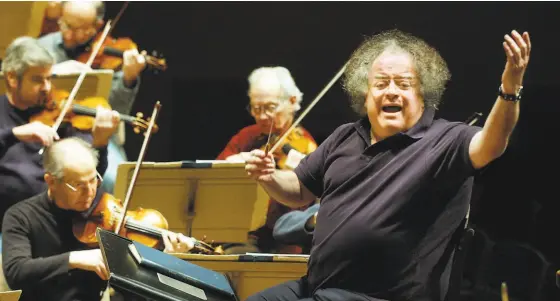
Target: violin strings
(80,109)
(267,147)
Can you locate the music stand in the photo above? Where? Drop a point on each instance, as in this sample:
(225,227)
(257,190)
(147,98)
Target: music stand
(20,18)
(126,274)
(10,295)
(96,83)
(204,198)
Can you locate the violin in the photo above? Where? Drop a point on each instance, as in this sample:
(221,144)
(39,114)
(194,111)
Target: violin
(296,140)
(82,113)
(145,226)
(110,55)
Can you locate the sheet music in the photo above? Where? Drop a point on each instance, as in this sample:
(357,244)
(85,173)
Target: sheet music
(184,287)
(220,161)
(279,255)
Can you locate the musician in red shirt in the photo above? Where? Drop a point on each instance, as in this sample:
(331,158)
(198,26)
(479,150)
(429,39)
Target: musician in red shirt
(274,100)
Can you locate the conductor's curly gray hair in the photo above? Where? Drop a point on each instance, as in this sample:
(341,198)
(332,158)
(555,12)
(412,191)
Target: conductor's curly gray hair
(429,65)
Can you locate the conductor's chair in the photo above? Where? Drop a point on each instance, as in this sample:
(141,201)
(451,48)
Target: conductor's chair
(477,257)
(521,266)
(461,240)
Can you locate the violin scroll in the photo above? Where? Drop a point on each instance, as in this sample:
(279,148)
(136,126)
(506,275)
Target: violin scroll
(156,61)
(139,124)
(202,247)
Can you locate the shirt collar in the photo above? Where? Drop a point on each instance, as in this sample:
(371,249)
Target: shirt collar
(58,40)
(363,126)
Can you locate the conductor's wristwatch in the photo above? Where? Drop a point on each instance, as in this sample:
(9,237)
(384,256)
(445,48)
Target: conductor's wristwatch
(511,97)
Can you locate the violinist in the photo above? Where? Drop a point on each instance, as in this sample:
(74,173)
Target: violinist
(27,71)
(274,101)
(41,254)
(80,24)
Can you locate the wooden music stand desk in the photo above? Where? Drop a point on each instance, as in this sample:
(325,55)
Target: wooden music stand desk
(96,83)
(214,199)
(20,18)
(251,274)
(10,295)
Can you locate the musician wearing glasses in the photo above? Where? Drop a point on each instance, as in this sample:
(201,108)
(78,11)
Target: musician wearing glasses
(274,100)
(80,22)
(27,69)
(41,255)
(396,184)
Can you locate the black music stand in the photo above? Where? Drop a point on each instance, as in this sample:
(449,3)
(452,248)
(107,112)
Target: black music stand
(126,274)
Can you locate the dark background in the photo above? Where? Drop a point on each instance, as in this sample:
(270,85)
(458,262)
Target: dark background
(212,47)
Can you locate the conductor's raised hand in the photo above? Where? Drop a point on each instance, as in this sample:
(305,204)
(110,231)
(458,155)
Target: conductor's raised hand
(517,48)
(260,166)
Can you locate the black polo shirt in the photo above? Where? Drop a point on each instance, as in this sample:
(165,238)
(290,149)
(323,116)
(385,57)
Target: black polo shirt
(388,210)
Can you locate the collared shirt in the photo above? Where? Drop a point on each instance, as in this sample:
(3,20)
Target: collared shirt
(388,210)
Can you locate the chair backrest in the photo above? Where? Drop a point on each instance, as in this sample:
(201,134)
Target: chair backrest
(521,266)
(463,238)
(477,257)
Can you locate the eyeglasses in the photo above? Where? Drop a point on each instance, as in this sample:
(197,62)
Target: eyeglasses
(268,109)
(401,83)
(76,31)
(97,181)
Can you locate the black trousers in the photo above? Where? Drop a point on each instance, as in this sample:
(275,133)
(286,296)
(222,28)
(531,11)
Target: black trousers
(297,290)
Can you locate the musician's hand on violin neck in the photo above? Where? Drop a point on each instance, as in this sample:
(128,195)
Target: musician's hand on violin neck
(260,166)
(105,125)
(176,242)
(133,64)
(89,260)
(35,132)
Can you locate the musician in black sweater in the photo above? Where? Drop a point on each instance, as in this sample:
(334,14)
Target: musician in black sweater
(41,256)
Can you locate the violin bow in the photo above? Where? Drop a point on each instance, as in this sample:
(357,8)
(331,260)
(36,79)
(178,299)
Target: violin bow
(125,5)
(311,105)
(128,196)
(474,118)
(76,87)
